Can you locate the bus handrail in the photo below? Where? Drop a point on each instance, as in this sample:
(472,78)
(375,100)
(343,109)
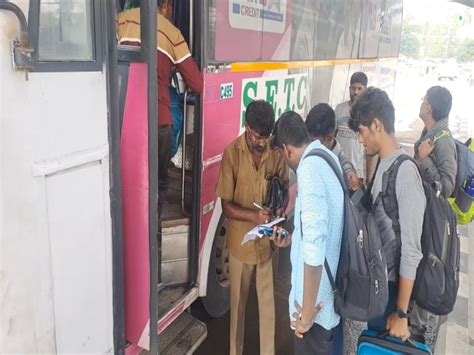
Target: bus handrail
(183,157)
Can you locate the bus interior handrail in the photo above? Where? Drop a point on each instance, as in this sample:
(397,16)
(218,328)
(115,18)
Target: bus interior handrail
(183,156)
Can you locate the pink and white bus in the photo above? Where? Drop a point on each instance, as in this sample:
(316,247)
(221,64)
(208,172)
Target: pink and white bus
(82,267)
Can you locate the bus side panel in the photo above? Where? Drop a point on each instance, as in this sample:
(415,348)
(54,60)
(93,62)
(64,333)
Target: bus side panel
(134,154)
(222,123)
(222,119)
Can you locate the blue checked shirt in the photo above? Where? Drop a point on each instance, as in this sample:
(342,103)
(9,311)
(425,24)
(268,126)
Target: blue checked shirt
(320,204)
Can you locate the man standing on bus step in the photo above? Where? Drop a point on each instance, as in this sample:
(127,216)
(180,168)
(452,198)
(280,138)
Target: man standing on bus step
(247,168)
(349,139)
(173,51)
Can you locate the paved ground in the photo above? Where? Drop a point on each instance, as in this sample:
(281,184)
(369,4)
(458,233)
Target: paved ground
(457,334)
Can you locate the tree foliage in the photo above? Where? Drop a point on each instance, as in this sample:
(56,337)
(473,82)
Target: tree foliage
(466,51)
(436,41)
(410,43)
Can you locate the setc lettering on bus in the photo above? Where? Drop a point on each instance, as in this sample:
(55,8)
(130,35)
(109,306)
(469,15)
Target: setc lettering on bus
(286,93)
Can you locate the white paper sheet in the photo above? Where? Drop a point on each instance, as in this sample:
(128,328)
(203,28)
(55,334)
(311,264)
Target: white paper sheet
(253,233)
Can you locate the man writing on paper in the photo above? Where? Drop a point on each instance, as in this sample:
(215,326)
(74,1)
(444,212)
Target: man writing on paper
(247,169)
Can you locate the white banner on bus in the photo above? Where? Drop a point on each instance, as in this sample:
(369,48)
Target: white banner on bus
(258,15)
(284,93)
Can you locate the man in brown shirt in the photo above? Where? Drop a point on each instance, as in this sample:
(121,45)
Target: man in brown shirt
(247,168)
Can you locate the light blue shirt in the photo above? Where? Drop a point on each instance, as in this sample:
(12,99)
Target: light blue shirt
(320,204)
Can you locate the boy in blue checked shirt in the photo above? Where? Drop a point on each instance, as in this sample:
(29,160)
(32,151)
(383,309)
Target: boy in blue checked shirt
(317,236)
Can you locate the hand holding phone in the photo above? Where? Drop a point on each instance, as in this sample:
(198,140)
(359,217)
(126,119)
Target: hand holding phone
(281,237)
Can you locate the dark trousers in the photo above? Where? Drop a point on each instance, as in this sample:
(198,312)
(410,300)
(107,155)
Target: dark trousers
(380,324)
(317,341)
(165,142)
(338,343)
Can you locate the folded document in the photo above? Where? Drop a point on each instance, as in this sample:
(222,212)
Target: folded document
(253,233)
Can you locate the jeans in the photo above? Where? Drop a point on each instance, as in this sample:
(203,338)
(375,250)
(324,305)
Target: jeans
(419,320)
(338,343)
(177,113)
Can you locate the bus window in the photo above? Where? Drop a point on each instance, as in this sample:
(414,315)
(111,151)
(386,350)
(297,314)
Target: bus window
(283,30)
(328,31)
(370,26)
(65,35)
(390,28)
(65,31)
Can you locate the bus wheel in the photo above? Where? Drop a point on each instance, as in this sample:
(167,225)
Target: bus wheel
(217,301)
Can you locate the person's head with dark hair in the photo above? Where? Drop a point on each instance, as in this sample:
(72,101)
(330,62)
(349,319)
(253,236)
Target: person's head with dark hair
(436,105)
(259,123)
(357,85)
(321,124)
(291,138)
(162,6)
(373,116)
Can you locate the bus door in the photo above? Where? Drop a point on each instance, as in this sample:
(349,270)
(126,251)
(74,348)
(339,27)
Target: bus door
(172,292)
(56,182)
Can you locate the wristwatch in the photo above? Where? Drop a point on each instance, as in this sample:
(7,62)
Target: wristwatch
(401,313)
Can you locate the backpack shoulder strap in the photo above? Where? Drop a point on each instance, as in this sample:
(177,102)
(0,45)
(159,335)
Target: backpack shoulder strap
(331,162)
(388,192)
(443,133)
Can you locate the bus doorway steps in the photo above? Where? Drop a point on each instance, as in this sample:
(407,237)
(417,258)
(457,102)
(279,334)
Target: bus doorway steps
(183,336)
(175,250)
(169,296)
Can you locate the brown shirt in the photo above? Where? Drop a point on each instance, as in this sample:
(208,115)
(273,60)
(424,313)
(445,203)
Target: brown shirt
(240,182)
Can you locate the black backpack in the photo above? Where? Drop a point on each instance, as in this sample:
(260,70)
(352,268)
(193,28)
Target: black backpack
(437,277)
(361,284)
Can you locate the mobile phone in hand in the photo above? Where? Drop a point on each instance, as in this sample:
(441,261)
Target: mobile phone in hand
(268,231)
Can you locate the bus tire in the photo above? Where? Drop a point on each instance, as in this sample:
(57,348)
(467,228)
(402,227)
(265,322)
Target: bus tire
(217,301)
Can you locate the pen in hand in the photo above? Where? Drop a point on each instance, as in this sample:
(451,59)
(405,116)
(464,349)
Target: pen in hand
(263,215)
